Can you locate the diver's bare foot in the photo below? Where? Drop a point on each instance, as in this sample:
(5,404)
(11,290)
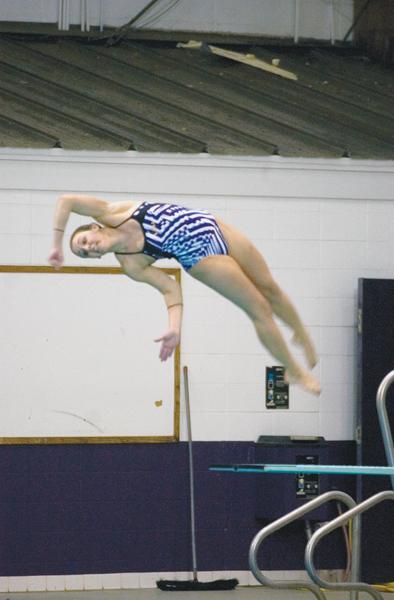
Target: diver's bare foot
(303,340)
(305,380)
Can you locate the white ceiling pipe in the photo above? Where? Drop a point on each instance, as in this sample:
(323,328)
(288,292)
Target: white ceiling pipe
(330,8)
(65,15)
(87,15)
(82,10)
(296,21)
(60,14)
(101,16)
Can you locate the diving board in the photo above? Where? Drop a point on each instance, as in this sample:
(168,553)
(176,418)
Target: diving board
(317,469)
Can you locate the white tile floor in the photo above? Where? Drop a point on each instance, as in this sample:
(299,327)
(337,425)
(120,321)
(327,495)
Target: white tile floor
(247,593)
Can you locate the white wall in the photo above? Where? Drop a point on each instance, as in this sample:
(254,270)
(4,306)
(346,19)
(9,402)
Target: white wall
(321,224)
(316,19)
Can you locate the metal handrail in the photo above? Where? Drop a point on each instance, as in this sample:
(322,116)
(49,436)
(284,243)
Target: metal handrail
(328,528)
(282,522)
(384,420)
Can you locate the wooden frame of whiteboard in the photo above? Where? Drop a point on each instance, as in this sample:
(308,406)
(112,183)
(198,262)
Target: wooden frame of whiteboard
(104,439)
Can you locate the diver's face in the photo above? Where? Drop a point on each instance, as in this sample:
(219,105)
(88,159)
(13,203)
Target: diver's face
(89,244)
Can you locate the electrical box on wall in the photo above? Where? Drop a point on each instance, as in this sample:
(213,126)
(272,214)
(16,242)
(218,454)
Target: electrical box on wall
(307,484)
(277,494)
(276,388)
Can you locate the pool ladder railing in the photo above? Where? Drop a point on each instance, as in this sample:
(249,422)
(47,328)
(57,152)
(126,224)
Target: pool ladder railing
(384,420)
(282,522)
(352,514)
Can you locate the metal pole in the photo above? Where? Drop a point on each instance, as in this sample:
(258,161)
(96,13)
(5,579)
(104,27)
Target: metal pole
(66,13)
(101,23)
(296,20)
(60,14)
(384,420)
(82,8)
(331,20)
(191,471)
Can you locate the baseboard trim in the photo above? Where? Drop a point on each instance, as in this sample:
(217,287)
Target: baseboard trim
(123,581)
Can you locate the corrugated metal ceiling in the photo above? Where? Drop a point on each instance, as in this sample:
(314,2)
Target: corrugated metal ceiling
(159,98)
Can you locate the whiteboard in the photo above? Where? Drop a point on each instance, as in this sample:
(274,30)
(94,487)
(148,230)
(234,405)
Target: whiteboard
(78,362)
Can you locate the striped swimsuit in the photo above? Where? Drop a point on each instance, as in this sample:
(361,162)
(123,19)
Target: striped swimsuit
(172,231)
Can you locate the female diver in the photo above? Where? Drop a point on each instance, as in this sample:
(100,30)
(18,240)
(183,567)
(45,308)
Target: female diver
(139,233)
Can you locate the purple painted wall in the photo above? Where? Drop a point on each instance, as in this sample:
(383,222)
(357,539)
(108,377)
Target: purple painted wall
(125,508)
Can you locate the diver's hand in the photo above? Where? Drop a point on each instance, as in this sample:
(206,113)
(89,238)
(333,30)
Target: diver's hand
(169,342)
(56,258)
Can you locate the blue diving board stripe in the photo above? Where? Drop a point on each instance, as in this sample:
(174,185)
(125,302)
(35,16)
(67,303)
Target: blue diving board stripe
(318,469)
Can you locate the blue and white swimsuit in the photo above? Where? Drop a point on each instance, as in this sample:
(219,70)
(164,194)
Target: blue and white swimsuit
(172,231)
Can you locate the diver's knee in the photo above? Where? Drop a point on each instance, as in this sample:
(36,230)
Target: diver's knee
(271,291)
(261,312)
